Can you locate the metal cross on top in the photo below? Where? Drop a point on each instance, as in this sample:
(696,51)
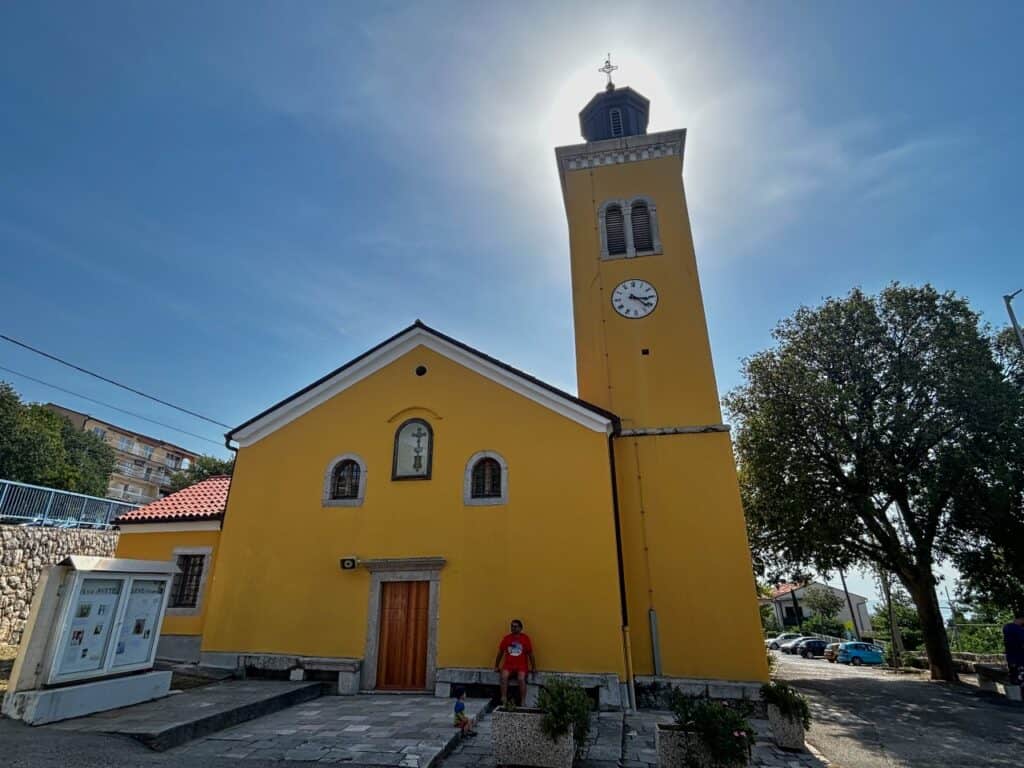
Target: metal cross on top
(607,69)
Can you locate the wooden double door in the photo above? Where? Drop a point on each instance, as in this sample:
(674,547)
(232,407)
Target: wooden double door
(402,638)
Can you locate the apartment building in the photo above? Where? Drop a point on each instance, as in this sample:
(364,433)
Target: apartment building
(144,464)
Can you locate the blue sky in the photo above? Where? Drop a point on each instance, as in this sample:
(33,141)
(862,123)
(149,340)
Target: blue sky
(220,202)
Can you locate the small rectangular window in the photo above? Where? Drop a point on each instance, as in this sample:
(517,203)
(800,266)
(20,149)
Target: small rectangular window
(185,587)
(615,116)
(125,443)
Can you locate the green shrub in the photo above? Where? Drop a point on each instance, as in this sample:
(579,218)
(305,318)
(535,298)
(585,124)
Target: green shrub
(723,729)
(790,703)
(821,625)
(565,705)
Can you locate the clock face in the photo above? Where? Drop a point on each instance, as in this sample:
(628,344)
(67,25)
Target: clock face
(634,298)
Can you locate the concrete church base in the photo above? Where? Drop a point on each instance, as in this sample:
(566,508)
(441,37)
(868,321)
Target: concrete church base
(652,691)
(50,705)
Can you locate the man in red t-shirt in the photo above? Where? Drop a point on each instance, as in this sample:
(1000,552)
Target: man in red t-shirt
(517,652)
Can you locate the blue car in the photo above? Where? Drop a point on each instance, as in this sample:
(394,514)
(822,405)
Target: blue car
(860,653)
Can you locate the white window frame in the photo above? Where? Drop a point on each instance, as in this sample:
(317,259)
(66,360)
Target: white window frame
(467,483)
(627,215)
(327,501)
(122,441)
(190,610)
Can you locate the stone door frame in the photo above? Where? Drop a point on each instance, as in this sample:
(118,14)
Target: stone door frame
(401,569)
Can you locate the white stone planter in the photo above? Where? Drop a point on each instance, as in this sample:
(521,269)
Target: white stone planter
(519,740)
(675,746)
(787,732)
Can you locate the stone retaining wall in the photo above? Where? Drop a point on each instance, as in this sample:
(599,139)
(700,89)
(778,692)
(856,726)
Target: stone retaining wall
(24,551)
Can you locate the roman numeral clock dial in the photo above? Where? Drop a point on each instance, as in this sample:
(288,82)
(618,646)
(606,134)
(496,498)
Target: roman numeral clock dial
(634,299)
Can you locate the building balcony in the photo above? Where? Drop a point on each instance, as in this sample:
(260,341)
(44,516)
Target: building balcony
(131,498)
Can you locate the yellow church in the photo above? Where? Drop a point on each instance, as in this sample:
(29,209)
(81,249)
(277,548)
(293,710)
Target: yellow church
(385,523)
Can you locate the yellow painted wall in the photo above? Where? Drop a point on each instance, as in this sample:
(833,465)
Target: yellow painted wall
(675,383)
(547,557)
(686,556)
(160,546)
(684,539)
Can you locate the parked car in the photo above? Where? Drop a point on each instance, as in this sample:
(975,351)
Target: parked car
(831,652)
(811,647)
(860,653)
(790,646)
(774,643)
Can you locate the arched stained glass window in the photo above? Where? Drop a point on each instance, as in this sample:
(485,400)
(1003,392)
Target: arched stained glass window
(414,445)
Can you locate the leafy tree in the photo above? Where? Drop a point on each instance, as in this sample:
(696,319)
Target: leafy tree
(982,632)
(41,447)
(990,556)
(824,625)
(907,620)
(90,460)
(823,601)
(200,469)
(873,421)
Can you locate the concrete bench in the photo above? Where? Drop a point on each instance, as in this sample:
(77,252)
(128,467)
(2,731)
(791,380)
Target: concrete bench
(991,676)
(609,690)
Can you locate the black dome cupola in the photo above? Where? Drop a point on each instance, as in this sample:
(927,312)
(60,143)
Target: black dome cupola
(615,112)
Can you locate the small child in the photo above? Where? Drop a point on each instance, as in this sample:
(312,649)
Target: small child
(462,722)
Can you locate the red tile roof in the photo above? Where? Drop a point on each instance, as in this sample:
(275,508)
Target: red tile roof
(785,589)
(206,500)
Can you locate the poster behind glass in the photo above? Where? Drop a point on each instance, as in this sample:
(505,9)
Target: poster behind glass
(89,629)
(141,618)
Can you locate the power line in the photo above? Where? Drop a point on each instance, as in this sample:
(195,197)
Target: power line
(111,381)
(108,405)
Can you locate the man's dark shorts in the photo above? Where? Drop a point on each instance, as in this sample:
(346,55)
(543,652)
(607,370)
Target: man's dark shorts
(1016,674)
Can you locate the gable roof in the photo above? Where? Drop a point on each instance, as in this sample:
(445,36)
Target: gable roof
(419,334)
(206,500)
(780,590)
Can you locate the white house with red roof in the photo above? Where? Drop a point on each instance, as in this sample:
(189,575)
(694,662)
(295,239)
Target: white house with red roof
(787,600)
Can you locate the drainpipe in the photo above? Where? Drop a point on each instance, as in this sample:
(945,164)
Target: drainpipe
(627,647)
(227,444)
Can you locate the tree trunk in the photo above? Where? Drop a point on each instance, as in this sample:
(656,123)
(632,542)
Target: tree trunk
(922,590)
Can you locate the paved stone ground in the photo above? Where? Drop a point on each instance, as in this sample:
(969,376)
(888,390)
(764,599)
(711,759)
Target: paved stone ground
(871,718)
(407,731)
(153,717)
(626,741)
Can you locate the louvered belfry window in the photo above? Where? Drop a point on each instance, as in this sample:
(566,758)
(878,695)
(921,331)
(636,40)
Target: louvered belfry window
(615,116)
(641,216)
(345,480)
(185,587)
(615,230)
(486,479)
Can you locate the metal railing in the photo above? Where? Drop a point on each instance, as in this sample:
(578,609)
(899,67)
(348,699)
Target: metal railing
(24,504)
(139,473)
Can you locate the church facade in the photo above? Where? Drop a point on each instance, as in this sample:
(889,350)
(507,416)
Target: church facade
(390,519)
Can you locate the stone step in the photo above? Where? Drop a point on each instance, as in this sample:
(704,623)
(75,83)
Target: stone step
(195,713)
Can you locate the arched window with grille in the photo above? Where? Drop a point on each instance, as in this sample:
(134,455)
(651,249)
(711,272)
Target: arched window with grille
(614,230)
(486,480)
(345,481)
(643,236)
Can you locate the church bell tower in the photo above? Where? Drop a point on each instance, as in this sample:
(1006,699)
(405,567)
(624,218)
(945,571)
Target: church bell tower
(642,352)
